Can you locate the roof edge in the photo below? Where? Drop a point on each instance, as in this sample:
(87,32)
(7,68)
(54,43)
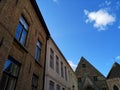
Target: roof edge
(38,12)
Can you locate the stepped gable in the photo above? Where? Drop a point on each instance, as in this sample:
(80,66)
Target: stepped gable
(114,72)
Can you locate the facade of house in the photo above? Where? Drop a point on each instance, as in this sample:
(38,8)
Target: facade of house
(113,78)
(89,78)
(58,74)
(23,39)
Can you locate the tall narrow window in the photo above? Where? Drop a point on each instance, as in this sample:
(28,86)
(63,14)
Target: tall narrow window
(58,87)
(51,58)
(10,74)
(63,88)
(21,31)
(65,73)
(79,80)
(62,69)
(38,51)
(83,65)
(57,64)
(95,78)
(51,85)
(34,82)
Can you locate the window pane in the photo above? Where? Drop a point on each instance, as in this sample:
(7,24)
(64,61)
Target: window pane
(34,82)
(18,31)
(14,70)
(38,44)
(11,68)
(11,84)
(10,74)
(23,36)
(24,23)
(33,88)
(58,87)
(51,85)
(4,80)
(8,66)
(51,58)
(21,31)
(37,54)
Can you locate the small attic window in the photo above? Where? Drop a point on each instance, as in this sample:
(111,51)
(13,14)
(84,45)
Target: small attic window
(83,65)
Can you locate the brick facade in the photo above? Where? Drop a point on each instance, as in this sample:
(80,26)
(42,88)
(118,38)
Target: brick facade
(10,13)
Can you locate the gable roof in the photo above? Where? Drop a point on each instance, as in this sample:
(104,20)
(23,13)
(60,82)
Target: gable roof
(90,70)
(115,71)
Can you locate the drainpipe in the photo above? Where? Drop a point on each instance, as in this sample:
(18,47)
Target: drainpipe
(47,38)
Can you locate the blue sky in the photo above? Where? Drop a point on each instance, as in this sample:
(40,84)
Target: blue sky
(88,28)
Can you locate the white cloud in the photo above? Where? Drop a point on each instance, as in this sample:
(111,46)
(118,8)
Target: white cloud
(100,18)
(72,65)
(117,58)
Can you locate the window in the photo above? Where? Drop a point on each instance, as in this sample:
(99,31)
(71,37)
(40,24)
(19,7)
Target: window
(104,88)
(16,1)
(79,80)
(57,64)
(84,65)
(10,74)
(21,31)
(51,59)
(58,87)
(95,78)
(115,87)
(34,82)
(65,74)
(63,88)
(51,85)
(62,69)
(38,51)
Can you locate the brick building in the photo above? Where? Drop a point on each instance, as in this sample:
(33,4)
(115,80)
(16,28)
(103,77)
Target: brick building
(89,78)
(23,38)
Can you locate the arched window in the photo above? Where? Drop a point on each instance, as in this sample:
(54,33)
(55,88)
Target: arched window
(115,87)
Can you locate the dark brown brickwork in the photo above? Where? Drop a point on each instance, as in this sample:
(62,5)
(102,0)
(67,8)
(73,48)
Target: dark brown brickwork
(10,13)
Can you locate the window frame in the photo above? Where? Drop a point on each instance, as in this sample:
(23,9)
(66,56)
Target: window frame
(95,78)
(51,58)
(57,64)
(65,73)
(51,84)
(36,78)
(38,51)
(21,30)
(57,87)
(9,74)
(62,72)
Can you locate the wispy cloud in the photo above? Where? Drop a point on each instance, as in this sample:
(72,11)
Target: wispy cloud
(119,27)
(117,6)
(117,58)
(72,65)
(105,3)
(56,1)
(101,18)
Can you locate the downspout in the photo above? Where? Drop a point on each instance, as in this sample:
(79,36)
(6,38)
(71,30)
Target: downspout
(45,62)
